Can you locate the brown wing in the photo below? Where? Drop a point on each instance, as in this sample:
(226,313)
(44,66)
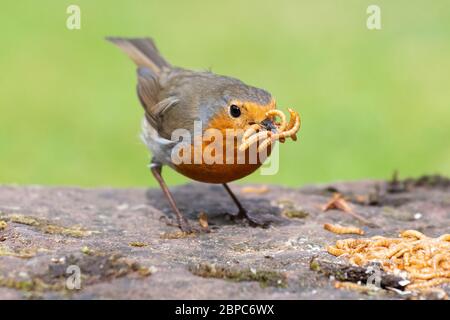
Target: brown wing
(148,89)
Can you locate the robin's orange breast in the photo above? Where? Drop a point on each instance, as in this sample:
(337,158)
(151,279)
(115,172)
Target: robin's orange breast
(221,160)
(221,167)
(216,173)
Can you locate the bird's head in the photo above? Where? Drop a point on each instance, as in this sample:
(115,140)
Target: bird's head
(242,107)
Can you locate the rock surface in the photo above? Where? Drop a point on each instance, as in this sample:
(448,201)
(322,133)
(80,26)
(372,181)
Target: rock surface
(123,248)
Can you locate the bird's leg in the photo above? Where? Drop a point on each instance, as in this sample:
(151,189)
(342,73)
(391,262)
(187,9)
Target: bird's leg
(156,169)
(242,213)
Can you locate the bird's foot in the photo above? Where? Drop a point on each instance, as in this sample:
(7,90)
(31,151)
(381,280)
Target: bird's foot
(243,215)
(184,226)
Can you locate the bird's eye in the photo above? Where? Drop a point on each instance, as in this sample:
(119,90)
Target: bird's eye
(235,111)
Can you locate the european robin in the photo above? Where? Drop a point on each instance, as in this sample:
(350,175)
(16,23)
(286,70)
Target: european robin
(175,98)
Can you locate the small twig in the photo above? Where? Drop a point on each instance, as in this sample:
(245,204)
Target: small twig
(339,203)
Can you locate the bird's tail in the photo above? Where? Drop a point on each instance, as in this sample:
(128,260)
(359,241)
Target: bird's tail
(142,51)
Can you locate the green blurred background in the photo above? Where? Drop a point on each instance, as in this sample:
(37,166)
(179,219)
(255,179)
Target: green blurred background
(371,101)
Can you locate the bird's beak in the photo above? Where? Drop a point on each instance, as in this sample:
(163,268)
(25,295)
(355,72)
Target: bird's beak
(268,125)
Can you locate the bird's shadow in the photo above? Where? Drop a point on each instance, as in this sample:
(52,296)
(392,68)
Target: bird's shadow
(213,200)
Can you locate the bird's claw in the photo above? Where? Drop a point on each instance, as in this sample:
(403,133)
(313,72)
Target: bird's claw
(243,215)
(184,226)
